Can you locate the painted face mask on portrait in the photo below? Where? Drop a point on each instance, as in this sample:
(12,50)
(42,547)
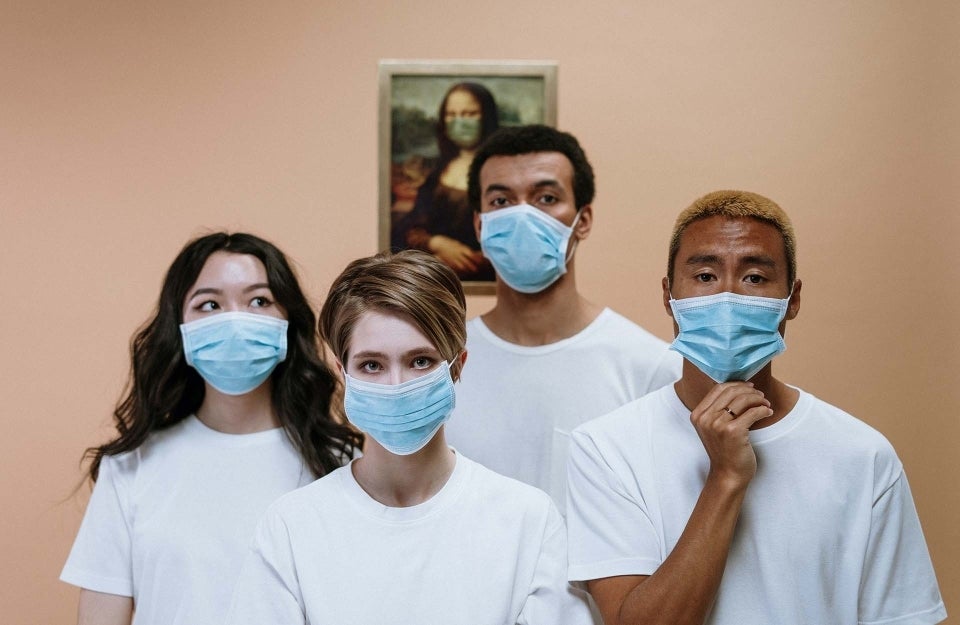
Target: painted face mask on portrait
(235,352)
(729,336)
(464,131)
(404,417)
(526,246)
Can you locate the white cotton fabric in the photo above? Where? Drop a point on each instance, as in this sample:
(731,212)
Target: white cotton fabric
(485,550)
(517,405)
(828,532)
(170,522)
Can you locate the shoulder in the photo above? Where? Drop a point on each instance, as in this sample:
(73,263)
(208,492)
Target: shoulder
(852,439)
(615,324)
(323,493)
(478,331)
(512,496)
(628,419)
(156,449)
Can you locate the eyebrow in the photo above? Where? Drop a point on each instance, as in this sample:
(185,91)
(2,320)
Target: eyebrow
(495,187)
(540,184)
(712,259)
(212,291)
(371,353)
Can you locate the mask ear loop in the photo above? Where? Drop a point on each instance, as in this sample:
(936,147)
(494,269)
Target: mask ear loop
(455,363)
(573,248)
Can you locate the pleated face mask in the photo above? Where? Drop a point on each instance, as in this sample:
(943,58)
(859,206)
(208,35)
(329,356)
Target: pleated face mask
(526,246)
(729,336)
(404,417)
(235,352)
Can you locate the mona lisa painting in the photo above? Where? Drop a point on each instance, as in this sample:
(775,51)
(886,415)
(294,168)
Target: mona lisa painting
(433,116)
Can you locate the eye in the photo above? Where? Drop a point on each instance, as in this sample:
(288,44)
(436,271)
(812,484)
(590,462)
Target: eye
(260,302)
(499,202)
(208,306)
(755,279)
(370,366)
(548,199)
(704,277)
(422,362)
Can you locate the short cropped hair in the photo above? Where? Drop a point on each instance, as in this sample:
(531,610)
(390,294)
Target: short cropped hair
(411,283)
(517,140)
(735,204)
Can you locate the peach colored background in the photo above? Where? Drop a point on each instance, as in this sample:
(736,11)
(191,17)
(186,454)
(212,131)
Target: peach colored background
(128,127)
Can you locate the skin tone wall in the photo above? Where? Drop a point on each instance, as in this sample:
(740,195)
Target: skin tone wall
(125,130)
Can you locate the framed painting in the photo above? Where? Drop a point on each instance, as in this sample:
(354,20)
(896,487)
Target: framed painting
(433,116)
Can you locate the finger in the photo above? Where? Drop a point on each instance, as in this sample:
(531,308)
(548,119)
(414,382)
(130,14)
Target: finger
(720,396)
(742,402)
(467,262)
(752,415)
(717,391)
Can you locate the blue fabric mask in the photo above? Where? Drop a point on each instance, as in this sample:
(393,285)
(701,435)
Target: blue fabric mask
(235,351)
(526,246)
(729,336)
(401,417)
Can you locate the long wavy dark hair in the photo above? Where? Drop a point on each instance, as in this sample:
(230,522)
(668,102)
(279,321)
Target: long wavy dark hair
(163,390)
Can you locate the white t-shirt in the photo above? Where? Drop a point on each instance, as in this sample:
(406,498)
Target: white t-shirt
(485,550)
(828,532)
(170,522)
(517,405)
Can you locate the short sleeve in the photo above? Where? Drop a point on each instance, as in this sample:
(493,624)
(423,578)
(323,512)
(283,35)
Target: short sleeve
(899,586)
(609,529)
(100,559)
(268,590)
(552,599)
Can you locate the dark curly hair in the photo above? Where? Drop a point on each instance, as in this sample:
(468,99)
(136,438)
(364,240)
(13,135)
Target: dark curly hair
(163,390)
(517,140)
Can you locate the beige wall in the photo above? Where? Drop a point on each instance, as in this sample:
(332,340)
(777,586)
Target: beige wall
(128,127)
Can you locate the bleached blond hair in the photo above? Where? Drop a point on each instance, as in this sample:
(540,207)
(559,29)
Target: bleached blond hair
(736,204)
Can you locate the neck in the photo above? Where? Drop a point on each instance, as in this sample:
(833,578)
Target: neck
(531,319)
(403,481)
(694,385)
(239,414)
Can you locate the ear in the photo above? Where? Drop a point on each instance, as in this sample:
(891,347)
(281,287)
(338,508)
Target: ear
(457,367)
(584,224)
(476,224)
(794,306)
(340,370)
(665,285)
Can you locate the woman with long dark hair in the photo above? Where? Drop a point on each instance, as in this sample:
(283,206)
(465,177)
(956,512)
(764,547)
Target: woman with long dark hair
(412,531)
(441,221)
(228,406)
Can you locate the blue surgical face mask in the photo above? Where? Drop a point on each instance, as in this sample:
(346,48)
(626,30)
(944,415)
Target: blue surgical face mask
(235,351)
(526,246)
(729,336)
(401,417)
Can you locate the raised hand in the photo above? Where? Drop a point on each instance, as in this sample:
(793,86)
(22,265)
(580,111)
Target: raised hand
(722,420)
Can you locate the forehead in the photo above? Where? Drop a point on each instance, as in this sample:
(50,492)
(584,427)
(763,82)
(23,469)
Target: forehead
(461,99)
(383,331)
(736,236)
(524,170)
(229,267)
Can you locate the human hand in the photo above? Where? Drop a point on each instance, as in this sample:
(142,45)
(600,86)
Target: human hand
(722,420)
(456,255)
